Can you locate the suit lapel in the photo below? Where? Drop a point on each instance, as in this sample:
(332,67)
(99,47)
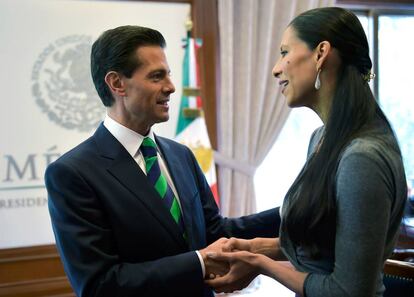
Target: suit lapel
(179,176)
(124,169)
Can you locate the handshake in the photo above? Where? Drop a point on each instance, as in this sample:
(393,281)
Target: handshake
(231,264)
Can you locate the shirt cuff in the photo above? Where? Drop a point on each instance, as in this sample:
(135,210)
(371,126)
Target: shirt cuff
(203,267)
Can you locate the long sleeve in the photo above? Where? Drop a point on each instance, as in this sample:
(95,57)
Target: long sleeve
(366,190)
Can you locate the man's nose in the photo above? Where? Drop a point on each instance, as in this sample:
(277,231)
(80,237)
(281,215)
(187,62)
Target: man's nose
(169,86)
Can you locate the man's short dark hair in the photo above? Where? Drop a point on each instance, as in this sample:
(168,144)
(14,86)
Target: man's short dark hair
(115,50)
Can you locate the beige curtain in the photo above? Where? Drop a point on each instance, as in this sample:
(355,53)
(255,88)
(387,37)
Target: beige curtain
(251,110)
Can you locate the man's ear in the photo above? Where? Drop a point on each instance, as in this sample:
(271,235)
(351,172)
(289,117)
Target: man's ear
(322,52)
(115,83)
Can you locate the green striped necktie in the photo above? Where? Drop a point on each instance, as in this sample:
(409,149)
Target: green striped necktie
(157,179)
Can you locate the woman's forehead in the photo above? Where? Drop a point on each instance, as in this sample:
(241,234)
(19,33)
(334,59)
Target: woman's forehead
(290,38)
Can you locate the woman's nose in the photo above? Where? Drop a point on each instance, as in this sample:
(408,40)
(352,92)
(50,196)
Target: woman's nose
(276,71)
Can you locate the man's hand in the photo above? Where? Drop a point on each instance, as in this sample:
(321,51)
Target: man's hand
(244,267)
(214,267)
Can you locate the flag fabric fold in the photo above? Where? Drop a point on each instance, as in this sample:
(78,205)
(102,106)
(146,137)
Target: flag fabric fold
(191,126)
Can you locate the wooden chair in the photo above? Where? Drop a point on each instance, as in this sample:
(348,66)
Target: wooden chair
(399,274)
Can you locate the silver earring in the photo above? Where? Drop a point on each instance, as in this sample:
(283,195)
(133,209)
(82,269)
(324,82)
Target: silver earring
(318,81)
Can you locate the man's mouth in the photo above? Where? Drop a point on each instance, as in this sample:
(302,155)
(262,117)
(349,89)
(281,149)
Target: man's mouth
(163,102)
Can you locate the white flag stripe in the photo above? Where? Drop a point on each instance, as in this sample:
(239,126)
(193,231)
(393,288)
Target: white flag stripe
(192,101)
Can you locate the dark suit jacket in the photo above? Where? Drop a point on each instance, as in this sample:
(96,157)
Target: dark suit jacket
(113,232)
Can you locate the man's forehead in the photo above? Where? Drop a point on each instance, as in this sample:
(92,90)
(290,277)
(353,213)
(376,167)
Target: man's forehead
(150,52)
(153,56)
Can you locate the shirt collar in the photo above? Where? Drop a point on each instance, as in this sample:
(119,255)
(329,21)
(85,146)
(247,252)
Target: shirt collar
(129,139)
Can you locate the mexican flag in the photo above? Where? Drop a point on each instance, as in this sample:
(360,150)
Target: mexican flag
(191,126)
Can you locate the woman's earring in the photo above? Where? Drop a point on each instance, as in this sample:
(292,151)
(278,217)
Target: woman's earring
(318,81)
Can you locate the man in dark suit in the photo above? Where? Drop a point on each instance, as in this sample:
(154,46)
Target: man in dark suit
(130,224)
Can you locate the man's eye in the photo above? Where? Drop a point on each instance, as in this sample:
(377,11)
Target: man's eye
(283,53)
(156,77)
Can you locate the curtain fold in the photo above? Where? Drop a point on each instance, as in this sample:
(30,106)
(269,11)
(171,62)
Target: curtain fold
(251,110)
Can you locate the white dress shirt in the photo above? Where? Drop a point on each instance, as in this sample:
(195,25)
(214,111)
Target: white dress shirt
(132,141)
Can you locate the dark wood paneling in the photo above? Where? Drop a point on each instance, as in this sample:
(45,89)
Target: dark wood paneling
(205,16)
(32,271)
(51,287)
(22,264)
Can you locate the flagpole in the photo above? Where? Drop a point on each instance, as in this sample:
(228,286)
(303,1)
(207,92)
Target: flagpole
(193,92)
(188,26)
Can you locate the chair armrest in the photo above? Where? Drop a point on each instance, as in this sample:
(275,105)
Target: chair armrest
(399,268)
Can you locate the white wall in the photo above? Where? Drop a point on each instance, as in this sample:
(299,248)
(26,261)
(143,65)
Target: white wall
(48,103)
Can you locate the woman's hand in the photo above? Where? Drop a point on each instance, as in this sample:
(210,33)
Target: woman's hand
(236,244)
(245,266)
(269,247)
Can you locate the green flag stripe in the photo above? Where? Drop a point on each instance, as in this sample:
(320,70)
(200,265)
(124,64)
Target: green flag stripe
(182,121)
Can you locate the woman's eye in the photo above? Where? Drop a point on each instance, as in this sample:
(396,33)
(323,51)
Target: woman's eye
(283,53)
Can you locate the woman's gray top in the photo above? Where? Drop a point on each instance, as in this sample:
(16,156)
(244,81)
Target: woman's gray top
(371,191)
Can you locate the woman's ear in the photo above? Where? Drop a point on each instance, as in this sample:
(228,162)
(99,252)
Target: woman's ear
(322,52)
(115,83)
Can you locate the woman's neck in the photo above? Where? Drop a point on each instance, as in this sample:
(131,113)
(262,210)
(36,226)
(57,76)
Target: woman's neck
(323,107)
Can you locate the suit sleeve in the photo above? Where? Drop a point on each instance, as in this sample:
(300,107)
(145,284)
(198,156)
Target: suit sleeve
(263,224)
(89,252)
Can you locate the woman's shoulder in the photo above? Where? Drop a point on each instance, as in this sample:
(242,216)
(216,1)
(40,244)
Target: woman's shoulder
(377,149)
(377,143)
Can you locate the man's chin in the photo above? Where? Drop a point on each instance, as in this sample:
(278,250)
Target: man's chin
(163,118)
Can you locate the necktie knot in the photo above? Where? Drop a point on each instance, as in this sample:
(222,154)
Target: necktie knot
(148,148)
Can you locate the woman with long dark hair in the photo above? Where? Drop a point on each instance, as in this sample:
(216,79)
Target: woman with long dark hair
(341,216)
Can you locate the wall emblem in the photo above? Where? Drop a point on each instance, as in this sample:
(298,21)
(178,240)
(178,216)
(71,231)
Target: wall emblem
(62,84)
